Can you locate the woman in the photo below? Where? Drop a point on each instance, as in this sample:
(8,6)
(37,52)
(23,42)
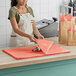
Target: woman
(22,20)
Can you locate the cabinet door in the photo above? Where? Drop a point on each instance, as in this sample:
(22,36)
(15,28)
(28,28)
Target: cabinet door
(58,68)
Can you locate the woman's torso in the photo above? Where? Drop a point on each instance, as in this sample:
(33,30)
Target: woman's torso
(24,25)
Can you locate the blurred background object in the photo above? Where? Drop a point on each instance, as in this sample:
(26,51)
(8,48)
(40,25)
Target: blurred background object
(74,8)
(48,28)
(66,9)
(65,2)
(71,5)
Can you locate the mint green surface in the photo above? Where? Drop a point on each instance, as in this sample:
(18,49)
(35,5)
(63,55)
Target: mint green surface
(58,68)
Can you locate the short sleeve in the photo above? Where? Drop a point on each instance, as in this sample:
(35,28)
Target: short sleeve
(11,13)
(31,11)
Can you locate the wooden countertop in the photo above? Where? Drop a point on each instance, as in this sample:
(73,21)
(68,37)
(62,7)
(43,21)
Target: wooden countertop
(7,61)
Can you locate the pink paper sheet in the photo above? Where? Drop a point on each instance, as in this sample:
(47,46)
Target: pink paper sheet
(68,17)
(26,52)
(44,45)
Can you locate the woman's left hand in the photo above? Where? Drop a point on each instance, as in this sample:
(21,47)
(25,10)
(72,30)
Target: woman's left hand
(40,37)
(32,21)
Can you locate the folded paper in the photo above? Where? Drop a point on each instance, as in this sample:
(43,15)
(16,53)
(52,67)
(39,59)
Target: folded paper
(44,45)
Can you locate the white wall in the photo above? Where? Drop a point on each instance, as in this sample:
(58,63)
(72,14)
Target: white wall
(4,23)
(42,9)
(45,8)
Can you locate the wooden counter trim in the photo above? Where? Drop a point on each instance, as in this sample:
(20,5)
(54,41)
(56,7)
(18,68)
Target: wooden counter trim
(35,62)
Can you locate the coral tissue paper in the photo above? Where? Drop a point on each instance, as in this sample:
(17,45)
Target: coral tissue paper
(47,48)
(68,17)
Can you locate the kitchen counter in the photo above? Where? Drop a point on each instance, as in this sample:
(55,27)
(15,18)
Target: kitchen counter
(7,61)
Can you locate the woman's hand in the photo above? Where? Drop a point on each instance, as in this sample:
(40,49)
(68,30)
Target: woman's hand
(33,21)
(40,37)
(36,31)
(32,39)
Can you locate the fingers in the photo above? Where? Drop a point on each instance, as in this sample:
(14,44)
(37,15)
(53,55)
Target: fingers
(33,39)
(41,37)
(32,21)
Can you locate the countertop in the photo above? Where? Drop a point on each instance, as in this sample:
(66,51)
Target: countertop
(7,61)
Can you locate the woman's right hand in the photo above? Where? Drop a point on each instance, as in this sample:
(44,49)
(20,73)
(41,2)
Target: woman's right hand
(32,39)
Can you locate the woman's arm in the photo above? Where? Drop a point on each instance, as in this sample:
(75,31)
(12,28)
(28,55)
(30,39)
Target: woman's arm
(36,31)
(18,31)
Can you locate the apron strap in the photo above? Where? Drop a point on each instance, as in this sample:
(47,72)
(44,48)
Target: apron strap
(28,9)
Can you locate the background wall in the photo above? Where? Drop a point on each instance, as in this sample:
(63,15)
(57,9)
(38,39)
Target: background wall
(42,9)
(45,8)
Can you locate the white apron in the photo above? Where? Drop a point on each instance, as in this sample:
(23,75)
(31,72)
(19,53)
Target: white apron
(26,26)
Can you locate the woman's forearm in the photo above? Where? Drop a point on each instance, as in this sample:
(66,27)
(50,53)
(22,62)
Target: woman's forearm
(16,28)
(18,31)
(35,30)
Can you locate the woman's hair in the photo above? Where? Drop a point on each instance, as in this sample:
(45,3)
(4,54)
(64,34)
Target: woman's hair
(14,3)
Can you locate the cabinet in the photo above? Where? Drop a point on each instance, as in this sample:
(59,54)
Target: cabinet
(57,68)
